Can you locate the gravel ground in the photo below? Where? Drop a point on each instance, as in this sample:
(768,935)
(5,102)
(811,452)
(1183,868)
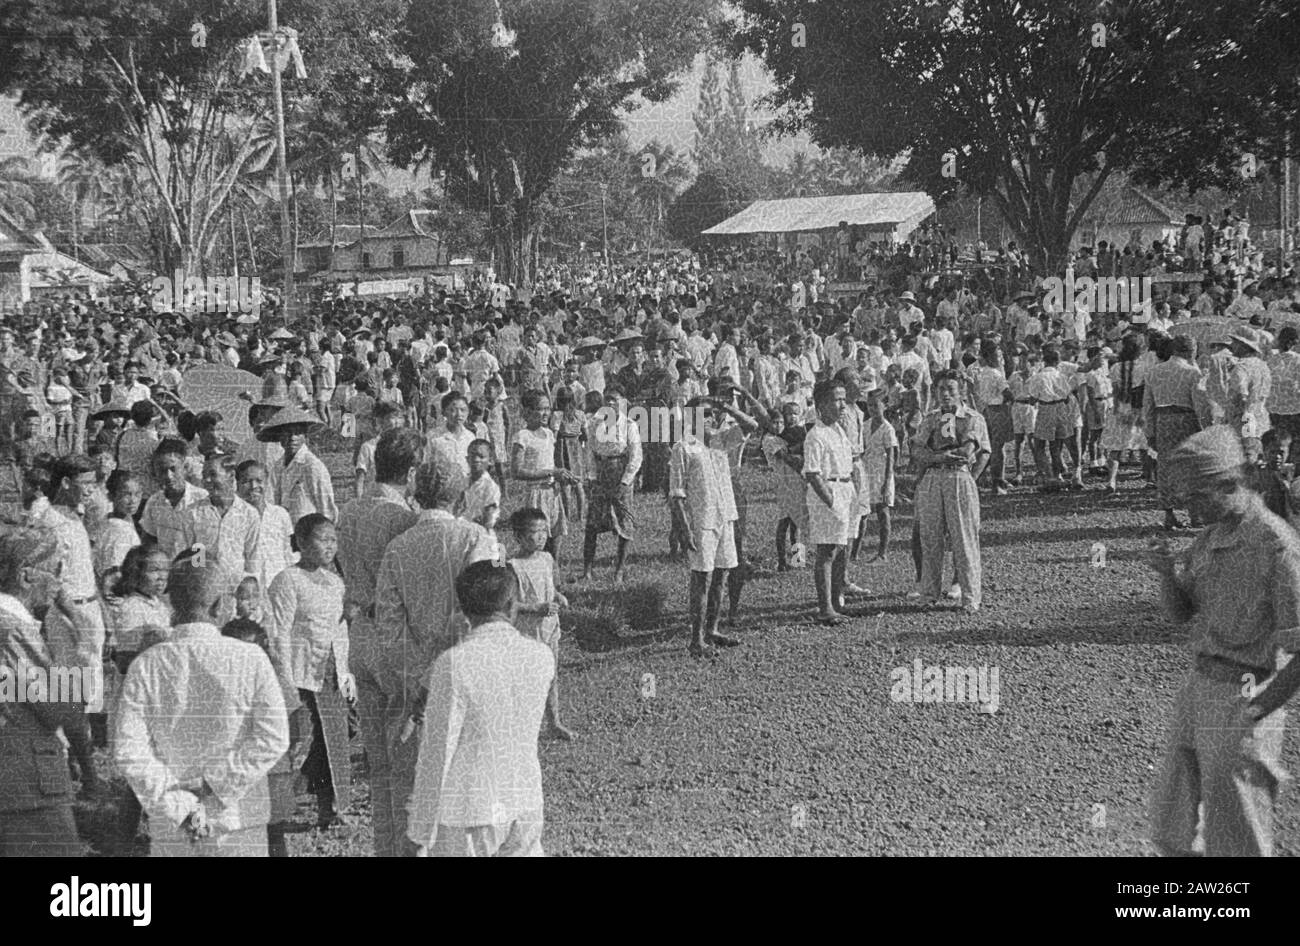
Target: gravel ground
(791,743)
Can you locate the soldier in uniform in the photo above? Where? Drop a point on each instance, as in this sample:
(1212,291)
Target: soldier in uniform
(1239,591)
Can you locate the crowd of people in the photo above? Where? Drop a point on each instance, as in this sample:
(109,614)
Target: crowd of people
(239,620)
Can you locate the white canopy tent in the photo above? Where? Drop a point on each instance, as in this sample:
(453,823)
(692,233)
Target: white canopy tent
(886,216)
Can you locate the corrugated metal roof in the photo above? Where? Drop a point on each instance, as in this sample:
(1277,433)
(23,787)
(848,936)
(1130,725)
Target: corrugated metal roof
(795,214)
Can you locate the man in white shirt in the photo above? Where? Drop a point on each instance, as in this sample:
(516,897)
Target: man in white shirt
(478,780)
(163,518)
(704,508)
(200,722)
(1246,305)
(416,613)
(226,527)
(727,359)
(908,313)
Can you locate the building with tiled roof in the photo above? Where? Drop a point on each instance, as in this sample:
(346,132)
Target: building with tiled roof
(407,245)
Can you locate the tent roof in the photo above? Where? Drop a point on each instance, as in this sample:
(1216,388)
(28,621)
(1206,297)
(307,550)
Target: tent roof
(795,214)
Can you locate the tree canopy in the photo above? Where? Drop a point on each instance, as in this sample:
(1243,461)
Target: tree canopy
(502,119)
(1018,102)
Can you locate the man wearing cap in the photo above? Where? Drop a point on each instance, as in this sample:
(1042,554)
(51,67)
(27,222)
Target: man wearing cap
(35,787)
(1238,590)
(200,722)
(908,313)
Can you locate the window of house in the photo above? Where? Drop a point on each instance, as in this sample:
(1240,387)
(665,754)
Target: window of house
(399,257)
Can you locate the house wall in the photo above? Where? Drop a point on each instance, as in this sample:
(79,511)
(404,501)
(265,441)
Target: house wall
(420,251)
(1089,234)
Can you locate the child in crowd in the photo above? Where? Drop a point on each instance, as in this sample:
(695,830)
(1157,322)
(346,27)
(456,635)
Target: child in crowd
(59,395)
(244,625)
(481,501)
(310,647)
(1265,475)
(532,462)
(539,601)
(783,448)
(388,416)
(116,534)
(568,422)
(390,393)
(497,423)
(880,460)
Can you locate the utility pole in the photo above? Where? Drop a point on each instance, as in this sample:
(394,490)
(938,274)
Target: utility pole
(281,168)
(604,223)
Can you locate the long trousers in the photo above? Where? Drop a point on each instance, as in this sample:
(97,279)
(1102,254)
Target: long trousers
(948,510)
(391,763)
(1219,774)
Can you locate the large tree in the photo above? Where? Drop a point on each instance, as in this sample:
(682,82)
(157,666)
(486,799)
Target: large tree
(500,115)
(152,86)
(1014,100)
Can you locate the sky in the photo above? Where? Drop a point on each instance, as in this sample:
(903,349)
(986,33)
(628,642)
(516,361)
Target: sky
(671,123)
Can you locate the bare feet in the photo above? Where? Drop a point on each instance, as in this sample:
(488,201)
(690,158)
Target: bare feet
(618,576)
(722,640)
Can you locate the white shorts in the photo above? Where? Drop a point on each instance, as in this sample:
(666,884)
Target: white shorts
(714,549)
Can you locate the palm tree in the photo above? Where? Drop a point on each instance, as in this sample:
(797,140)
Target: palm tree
(17,189)
(82,179)
(658,175)
(799,177)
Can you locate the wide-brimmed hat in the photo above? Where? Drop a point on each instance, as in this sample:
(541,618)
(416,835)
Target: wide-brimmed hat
(1023,294)
(1247,337)
(287,417)
(119,408)
(591,341)
(907,297)
(628,335)
(282,334)
(225,338)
